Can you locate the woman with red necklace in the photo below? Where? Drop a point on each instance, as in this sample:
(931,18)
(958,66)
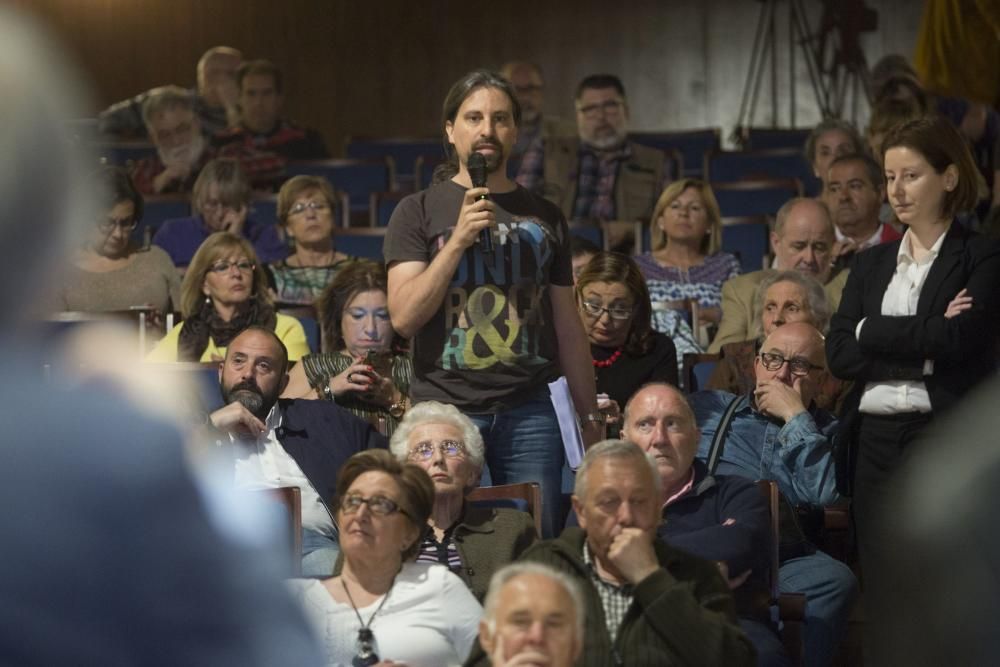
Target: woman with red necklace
(614,307)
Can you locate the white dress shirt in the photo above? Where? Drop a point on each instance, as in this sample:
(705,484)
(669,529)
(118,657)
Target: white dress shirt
(870,242)
(900,299)
(262,463)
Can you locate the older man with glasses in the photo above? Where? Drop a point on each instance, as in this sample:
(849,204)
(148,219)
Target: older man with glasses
(776,432)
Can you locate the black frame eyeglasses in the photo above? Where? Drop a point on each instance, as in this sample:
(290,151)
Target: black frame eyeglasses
(596,310)
(798,366)
(244,266)
(379,505)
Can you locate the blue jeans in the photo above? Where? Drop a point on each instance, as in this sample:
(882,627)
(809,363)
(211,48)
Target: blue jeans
(319,554)
(830,589)
(524,444)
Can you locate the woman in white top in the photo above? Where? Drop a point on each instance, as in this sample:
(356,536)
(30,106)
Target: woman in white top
(918,321)
(383,608)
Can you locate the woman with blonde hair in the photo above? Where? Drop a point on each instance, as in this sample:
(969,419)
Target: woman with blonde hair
(225,291)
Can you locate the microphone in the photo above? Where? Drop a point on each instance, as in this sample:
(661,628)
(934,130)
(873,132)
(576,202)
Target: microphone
(477,172)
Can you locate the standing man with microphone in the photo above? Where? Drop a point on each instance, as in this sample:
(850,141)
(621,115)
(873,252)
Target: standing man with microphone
(480,278)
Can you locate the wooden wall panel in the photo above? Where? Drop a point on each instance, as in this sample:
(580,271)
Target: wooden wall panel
(383,68)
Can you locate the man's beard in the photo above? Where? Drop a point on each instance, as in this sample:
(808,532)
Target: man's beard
(609,140)
(493,160)
(184,156)
(249,395)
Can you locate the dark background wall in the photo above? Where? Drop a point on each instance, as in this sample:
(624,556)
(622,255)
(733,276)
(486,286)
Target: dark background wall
(382,68)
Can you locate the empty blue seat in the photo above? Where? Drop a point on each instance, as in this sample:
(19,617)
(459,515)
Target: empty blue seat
(157,210)
(592,233)
(381,207)
(770,138)
(729,166)
(691,144)
(361,242)
(748,239)
(357,178)
(404,151)
(748,198)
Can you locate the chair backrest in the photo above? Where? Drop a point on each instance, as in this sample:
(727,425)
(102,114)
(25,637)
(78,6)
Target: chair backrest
(623,235)
(361,241)
(357,178)
(121,153)
(746,198)
(697,369)
(749,238)
(769,490)
(691,144)
(508,495)
(290,498)
(729,166)
(156,210)
(770,138)
(403,150)
(423,170)
(381,205)
(591,232)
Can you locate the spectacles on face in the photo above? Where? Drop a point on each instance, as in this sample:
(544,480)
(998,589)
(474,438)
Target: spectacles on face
(109,225)
(609,107)
(244,266)
(798,366)
(595,310)
(452,449)
(316,206)
(379,505)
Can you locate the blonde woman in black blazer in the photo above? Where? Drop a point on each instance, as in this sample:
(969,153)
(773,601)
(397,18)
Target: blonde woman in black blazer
(918,321)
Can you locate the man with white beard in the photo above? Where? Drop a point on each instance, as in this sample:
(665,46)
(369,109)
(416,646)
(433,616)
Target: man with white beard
(181,148)
(601,175)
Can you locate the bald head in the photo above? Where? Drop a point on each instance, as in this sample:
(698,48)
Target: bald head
(803,238)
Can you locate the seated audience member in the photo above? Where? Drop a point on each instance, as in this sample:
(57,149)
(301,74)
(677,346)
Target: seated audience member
(600,174)
(776,432)
(535,597)
(536,128)
(830,139)
(306,213)
(893,78)
(720,518)
(224,291)
(802,240)
(781,298)
(473,542)
(979,125)
(646,603)
(382,605)
(109,273)
(615,311)
(181,148)
(854,193)
(364,367)
(277,443)
(687,262)
(262,131)
(886,114)
(582,251)
(214,98)
(221,198)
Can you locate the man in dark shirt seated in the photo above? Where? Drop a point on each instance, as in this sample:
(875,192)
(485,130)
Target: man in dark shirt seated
(723,519)
(262,131)
(277,443)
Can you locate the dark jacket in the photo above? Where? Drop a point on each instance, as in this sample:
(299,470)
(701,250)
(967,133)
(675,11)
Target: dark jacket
(487,538)
(694,523)
(682,614)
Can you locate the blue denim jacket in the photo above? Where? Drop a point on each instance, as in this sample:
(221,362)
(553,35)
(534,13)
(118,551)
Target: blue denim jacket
(797,455)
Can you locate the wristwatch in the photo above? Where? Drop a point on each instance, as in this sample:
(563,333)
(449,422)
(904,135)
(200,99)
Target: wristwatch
(398,408)
(592,417)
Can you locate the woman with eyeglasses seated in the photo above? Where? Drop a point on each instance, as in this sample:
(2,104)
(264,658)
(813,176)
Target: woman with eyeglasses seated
(686,263)
(781,298)
(305,212)
(616,314)
(383,608)
(224,291)
(109,272)
(364,367)
(221,198)
(473,542)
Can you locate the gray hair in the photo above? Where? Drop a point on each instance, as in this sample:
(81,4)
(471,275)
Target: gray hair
(509,572)
(163,98)
(432,412)
(619,450)
(44,171)
(828,125)
(816,304)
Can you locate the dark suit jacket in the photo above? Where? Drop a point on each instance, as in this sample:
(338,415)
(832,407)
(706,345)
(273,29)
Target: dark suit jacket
(489,538)
(894,348)
(637,186)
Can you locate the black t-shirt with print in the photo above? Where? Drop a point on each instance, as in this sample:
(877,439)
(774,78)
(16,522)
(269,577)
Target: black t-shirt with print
(492,343)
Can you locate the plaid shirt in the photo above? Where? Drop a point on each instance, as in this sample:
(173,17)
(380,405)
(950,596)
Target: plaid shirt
(145,171)
(595,183)
(264,156)
(616,600)
(531,172)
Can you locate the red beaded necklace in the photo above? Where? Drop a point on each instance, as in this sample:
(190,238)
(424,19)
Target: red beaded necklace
(610,360)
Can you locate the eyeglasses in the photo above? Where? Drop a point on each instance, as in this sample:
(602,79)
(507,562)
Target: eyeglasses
(595,310)
(244,266)
(609,108)
(109,225)
(379,505)
(317,206)
(797,365)
(452,449)
(215,204)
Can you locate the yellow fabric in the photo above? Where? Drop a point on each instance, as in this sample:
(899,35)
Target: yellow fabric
(958,49)
(289,330)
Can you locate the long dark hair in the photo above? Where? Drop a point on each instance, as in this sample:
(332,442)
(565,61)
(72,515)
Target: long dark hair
(460,90)
(613,267)
(115,186)
(359,276)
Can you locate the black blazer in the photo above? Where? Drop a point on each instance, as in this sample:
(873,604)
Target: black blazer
(894,348)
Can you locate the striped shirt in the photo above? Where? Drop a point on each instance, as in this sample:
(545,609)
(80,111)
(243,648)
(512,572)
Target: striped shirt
(444,552)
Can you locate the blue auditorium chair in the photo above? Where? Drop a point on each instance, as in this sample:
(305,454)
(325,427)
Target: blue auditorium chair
(381,206)
(786,163)
(747,238)
(156,210)
(361,242)
(691,144)
(747,198)
(357,178)
(770,138)
(404,151)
